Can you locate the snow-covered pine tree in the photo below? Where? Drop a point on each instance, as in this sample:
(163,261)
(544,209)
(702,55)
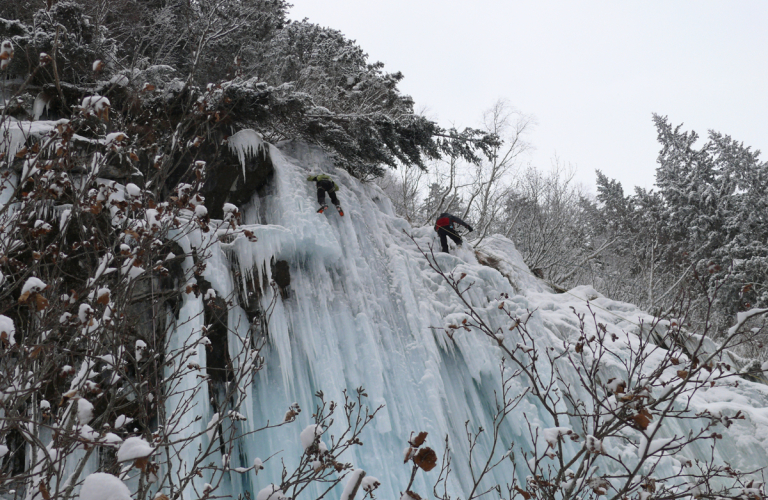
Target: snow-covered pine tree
(703,232)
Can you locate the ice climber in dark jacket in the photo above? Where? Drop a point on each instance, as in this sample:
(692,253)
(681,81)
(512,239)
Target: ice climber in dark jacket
(324,185)
(445,229)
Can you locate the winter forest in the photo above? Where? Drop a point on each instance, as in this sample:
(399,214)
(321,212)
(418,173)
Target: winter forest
(178,322)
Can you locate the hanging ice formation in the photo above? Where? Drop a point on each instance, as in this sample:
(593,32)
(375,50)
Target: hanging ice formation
(364,309)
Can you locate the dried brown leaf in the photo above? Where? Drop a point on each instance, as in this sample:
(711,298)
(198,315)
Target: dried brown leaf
(40,302)
(426,458)
(419,440)
(522,492)
(44,491)
(643,419)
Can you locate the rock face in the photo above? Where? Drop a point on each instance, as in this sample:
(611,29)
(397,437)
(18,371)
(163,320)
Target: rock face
(241,171)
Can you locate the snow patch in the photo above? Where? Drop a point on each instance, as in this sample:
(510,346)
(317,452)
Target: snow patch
(310,434)
(271,492)
(103,486)
(133,448)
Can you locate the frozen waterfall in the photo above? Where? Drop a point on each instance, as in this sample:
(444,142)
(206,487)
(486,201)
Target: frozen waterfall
(364,308)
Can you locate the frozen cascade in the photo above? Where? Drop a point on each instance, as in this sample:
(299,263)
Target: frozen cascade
(364,309)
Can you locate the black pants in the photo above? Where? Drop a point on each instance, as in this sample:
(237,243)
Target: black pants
(450,233)
(322,188)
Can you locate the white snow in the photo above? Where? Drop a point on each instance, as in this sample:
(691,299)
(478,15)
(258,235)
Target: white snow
(115,138)
(3,450)
(271,492)
(65,214)
(654,446)
(132,190)
(213,426)
(310,434)
(593,445)
(103,486)
(229,209)
(742,317)
(122,420)
(14,134)
(33,285)
(86,433)
(553,434)
(370,483)
(141,347)
(132,448)
(111,439)
(84,411)
(6,54)
(85,312)
(615,385)
(40,105)
(94,104)
(120,80)
(201,211)
(7,330)
(352,479)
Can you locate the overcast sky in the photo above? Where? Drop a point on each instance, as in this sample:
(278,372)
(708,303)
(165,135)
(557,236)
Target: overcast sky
(590,72)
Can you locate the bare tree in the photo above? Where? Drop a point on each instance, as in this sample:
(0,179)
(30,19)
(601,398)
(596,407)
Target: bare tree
(492,180)
(404,188)
(545,219)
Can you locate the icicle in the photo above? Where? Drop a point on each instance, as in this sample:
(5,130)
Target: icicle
(246,143)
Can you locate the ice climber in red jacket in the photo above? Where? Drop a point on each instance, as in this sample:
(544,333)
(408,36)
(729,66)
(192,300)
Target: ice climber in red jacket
(445,229)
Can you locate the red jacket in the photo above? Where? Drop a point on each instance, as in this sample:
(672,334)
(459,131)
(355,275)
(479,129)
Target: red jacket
(447,220)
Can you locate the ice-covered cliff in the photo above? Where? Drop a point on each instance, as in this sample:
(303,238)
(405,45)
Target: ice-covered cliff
(364,308)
